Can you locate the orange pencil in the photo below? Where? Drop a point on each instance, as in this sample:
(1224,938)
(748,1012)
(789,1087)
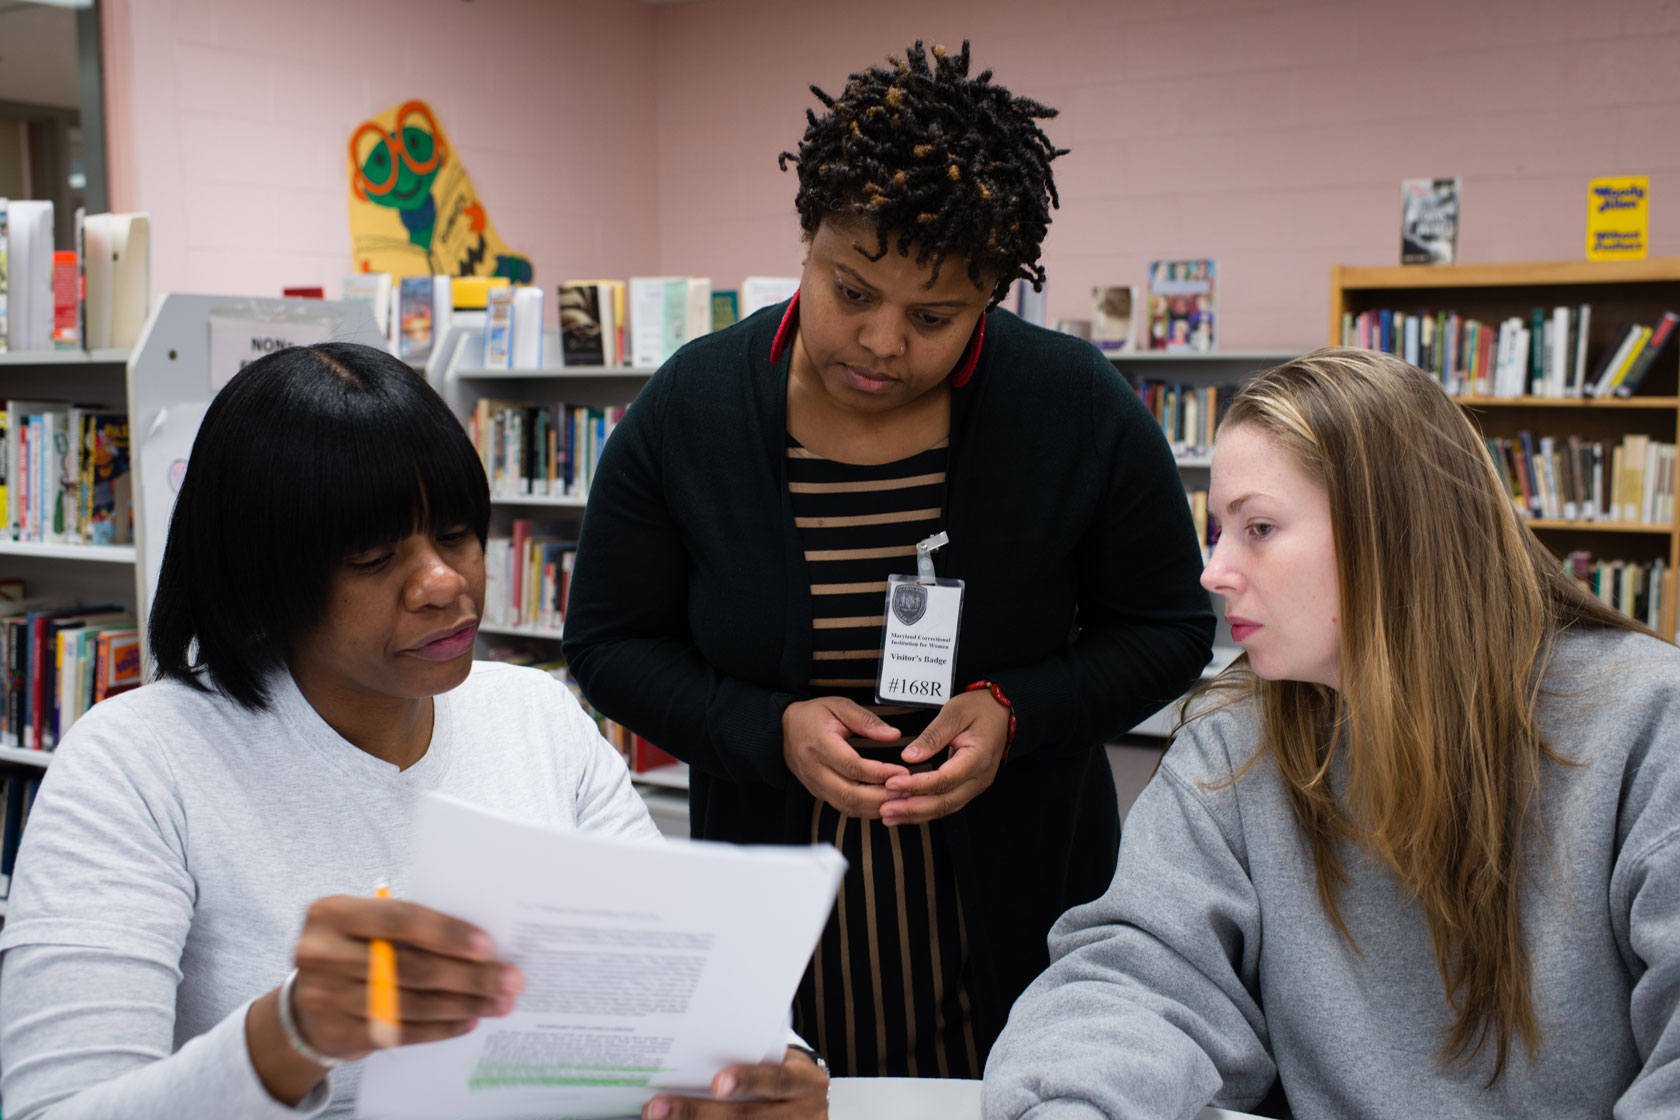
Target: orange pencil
(384,1019)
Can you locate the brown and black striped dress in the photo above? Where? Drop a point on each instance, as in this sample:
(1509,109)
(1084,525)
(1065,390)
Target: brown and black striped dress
(886,993)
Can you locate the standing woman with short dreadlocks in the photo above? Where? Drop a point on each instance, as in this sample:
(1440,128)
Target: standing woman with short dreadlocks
(773,481)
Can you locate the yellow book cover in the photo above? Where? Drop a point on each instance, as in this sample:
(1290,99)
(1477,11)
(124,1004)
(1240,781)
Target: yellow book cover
(1632,356)
(472,293)
(1633,482)
(1617,218)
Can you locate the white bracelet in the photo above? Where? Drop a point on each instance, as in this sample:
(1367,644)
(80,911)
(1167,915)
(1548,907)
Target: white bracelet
(289,1024)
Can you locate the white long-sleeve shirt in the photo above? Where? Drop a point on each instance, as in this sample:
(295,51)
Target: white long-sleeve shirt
(176,843)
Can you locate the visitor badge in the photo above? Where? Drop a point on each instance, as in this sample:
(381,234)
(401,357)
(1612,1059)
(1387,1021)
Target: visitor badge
(919,638)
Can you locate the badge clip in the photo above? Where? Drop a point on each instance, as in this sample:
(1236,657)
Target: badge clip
(924,556)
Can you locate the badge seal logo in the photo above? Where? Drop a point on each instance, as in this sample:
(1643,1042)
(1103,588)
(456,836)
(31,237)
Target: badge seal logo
(909,603)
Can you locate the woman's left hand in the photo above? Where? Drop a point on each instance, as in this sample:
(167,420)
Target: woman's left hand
(793,1089)
(977,729)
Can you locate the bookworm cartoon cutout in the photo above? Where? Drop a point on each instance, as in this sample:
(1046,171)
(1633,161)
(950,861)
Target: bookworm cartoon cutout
(413,209)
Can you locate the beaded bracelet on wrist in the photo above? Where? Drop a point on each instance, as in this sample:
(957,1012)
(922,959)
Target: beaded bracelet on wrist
(998,695)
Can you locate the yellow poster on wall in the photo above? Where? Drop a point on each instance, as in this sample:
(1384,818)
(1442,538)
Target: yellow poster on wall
(413,209)
(1617,218)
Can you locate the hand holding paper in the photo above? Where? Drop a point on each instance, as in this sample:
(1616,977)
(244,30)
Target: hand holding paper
(648,967)
(454,980)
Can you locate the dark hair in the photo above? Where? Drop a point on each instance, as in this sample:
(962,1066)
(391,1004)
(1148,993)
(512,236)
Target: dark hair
(925,154)
(307,456)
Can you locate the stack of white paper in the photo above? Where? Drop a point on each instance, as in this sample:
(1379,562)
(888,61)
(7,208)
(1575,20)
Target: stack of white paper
(649,966)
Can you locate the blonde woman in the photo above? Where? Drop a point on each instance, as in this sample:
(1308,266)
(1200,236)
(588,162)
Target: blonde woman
(1418,852)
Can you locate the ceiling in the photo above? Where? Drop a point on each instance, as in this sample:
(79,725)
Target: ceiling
(38,54)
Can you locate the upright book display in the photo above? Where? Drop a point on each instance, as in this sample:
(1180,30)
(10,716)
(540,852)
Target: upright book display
(1610,518)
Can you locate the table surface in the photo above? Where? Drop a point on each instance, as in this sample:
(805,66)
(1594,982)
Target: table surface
(910,1098)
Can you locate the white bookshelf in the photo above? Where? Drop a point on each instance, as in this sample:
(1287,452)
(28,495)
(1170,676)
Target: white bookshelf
(553,373)
(167,368)
(65,572)
(541,633)
(63,357)
(1201,369)
(89,553)
(669,810)
(1161,723)
(18,756)
(456,371)
(535,501)
(673,776)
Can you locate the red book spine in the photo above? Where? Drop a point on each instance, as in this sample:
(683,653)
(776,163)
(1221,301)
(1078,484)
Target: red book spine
(36,683)
(644,756)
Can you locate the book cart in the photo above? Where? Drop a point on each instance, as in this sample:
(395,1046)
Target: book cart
(456,369)
(1618,292)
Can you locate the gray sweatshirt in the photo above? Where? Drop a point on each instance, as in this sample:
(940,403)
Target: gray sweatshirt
(1209,968)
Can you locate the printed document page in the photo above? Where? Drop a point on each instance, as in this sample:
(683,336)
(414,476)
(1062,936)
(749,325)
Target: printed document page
(648,966)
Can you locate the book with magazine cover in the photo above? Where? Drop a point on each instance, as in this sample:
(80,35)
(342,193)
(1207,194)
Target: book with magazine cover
(1182,305)
(1429,221)
(587,337)
(106,482)
(1111,318)
(416,308)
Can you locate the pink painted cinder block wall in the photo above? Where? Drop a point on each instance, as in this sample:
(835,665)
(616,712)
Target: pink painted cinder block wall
(610,137)
(230,120)
(1271,135)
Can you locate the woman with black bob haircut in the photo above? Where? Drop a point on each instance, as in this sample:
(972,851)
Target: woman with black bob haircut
(313,626)
(320,453)
(751,510)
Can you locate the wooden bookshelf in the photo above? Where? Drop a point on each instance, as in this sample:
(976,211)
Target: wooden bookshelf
(1619,292)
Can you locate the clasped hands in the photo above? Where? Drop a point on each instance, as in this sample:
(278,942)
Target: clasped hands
(815,748)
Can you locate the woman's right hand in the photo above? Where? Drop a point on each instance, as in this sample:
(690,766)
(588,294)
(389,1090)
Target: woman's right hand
(447,979)
(815,749)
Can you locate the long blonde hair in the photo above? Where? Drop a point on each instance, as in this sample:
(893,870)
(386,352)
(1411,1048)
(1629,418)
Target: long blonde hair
(1448,604)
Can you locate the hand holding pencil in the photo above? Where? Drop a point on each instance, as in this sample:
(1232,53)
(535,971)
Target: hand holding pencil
(379,972)
(384,1009)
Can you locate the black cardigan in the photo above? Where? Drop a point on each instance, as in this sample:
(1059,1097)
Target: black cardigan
(690,614)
